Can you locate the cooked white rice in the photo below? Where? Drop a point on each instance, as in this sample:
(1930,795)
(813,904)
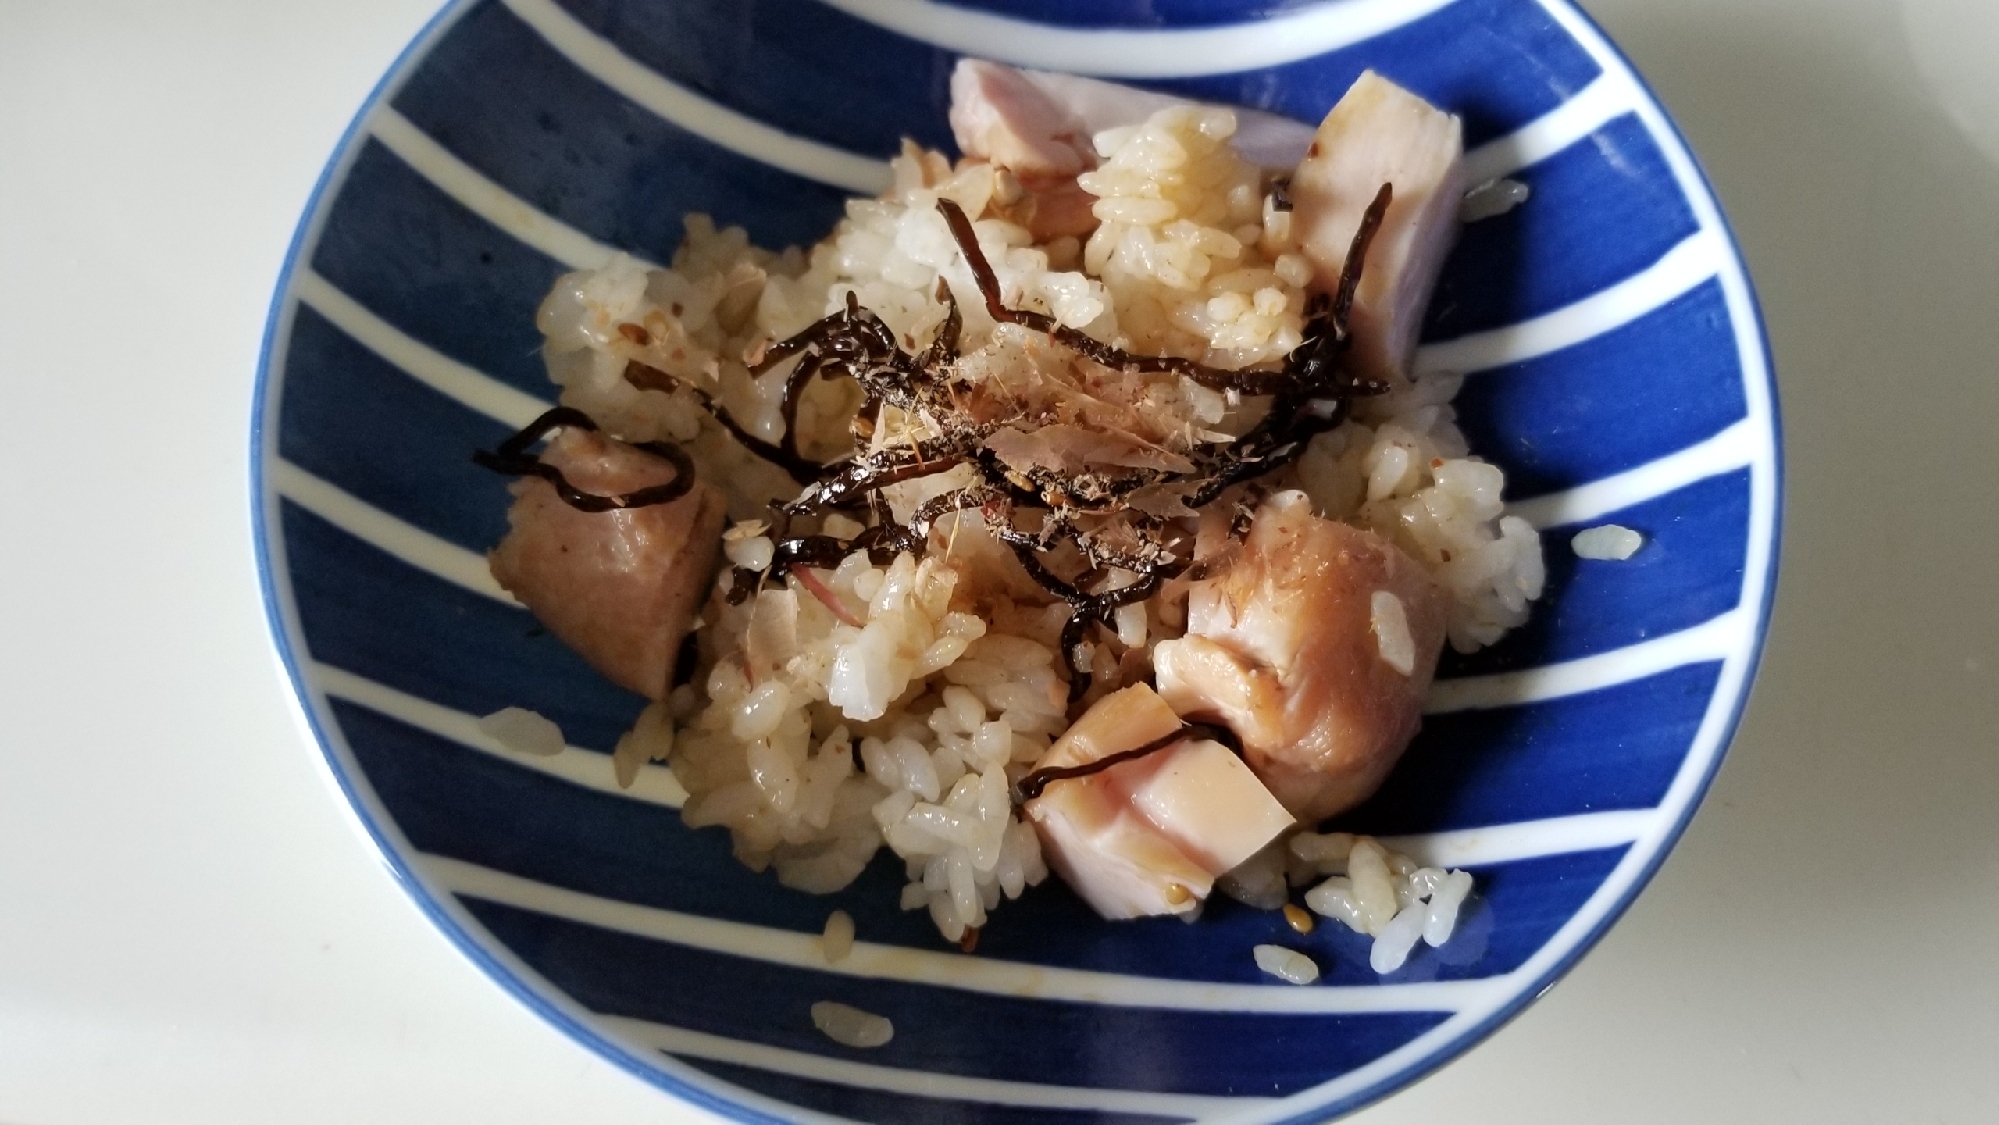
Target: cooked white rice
(1492,199)
(837,940)
(1610,542)
(1287,965)
(1368,888)
(939,677)
(850,1026)
(1390,623)
(523,731)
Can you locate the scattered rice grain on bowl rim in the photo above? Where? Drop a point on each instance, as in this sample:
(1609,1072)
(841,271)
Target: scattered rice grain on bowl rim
(1286,964)
(850,1026)
(1492,199)
(838,939)
(523,731)
(1610,541)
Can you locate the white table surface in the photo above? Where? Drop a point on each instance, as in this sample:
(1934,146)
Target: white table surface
(193,930)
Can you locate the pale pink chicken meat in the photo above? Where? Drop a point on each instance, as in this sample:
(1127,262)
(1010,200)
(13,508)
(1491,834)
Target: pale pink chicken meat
(1000,117)
(1282,648)
(997,115)
(1038,126)
(1148,836)
(1378,134)
(620,587)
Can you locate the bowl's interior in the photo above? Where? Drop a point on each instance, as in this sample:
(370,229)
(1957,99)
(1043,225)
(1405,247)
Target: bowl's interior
(1618,376)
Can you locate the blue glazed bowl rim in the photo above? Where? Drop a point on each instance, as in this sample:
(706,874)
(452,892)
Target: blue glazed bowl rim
(452,919)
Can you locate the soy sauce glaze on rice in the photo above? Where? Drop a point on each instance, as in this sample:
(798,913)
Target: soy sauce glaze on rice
(1083,509)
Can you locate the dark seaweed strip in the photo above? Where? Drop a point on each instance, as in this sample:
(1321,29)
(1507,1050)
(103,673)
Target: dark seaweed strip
(794,390)
(1309,395)
(943,350)
(513,459)
(649,378)
(937,507)
(854,481)
(1093,608)
(1363,237)
(1031,786)
(1280,194)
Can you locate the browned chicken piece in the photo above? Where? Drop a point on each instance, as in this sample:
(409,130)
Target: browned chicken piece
(1378,134)
(1148,836)
(619,587)
(1296,647)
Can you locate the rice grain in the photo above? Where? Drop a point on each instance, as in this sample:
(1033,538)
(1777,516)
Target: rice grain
(1286,964)
(523,731)
(837,941)
(1610,542)
(850,1026)
(1391,632)
(1392,945)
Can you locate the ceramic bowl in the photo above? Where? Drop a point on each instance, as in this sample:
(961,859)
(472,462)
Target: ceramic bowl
(1617,371)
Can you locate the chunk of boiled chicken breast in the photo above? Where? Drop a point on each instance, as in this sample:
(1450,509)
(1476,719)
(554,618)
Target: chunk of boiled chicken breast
(1378,134)
(1148,836)
(619,587)
(1293,648)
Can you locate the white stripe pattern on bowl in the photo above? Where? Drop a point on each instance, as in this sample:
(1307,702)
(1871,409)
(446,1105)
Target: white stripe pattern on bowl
(602,60)
(917,1083)
(1607,97)
(1284,37)
(1527,839)
(1731,449)
(471,189)
(1712,639)
(936,967)
(371,525)
(454,380)
(1677,271)
(654,784)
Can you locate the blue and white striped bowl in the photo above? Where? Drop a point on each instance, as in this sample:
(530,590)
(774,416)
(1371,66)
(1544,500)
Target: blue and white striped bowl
(1620,375)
